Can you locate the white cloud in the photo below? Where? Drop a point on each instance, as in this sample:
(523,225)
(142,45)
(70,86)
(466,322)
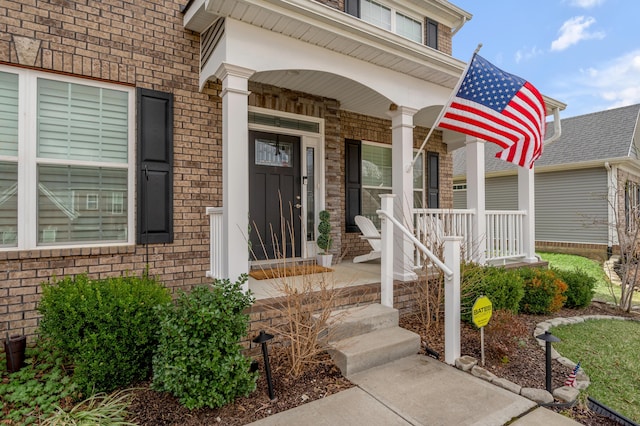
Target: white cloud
(586,4)
(617,84)
(575,30)
(527,53)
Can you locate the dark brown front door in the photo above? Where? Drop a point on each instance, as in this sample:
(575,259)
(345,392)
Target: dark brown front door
(274,197)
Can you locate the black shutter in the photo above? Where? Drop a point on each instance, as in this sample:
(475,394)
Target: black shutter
(352,7)
(433,180)
(432,33)
(155,167)
(353,181)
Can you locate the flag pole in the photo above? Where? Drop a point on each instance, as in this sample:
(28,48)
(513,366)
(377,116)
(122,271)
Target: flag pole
(444,108)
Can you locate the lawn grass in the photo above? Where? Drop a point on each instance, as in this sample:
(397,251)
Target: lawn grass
(602,291)
(608,352)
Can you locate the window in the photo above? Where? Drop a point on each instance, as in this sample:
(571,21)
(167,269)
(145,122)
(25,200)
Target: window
(387,17)
(376,170)
(75,138)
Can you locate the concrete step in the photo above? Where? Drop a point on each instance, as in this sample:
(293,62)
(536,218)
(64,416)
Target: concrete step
(345,323)
(364,351)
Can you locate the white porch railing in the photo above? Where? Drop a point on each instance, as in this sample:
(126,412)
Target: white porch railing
(504,234)
(432,225)
(503,239)
(215,242)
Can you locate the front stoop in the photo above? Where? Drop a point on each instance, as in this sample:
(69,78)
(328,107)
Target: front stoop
(368,336)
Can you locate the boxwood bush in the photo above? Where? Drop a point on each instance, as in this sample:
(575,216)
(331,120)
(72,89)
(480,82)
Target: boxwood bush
(199,359)
(581,287)
(106,329)
(503,287)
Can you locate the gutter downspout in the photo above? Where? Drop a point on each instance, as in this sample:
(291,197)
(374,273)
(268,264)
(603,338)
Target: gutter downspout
(456,29)
(557,127)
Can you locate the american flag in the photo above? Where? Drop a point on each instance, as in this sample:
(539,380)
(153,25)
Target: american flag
(571,380)
(499,107)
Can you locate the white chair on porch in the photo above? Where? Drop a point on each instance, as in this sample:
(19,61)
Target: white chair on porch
(371,234)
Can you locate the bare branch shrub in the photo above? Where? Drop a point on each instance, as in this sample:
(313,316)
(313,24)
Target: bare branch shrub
(626,208)
(305,302)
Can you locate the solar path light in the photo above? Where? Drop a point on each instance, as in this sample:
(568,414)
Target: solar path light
(263,338)
(548,338)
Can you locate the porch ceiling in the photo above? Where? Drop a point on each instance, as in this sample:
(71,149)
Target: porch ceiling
(353,96)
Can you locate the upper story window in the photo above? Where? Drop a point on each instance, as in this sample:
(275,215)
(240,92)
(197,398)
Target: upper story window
(65,160)
(394,20)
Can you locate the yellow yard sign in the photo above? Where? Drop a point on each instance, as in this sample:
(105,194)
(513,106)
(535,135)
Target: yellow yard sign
(482,310)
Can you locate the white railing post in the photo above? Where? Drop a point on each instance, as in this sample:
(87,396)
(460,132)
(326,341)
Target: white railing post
(386,258)
(452,300)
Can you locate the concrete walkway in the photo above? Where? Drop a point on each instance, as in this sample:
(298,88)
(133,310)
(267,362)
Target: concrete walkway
(418,390)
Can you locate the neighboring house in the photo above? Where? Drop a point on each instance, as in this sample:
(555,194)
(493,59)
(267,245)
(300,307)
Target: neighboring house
(577,179)
(142,133)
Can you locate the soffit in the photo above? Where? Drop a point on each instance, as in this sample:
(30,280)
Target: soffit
(331,29)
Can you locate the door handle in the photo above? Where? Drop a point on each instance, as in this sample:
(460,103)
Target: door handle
(297,206)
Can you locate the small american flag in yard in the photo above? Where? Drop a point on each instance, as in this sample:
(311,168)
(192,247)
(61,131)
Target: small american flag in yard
(571,380)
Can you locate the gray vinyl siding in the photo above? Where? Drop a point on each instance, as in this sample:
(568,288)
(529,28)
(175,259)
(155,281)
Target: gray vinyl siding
(460,199)
(571,206)
(501,193)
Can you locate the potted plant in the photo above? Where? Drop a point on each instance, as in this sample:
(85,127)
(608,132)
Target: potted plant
(324,258)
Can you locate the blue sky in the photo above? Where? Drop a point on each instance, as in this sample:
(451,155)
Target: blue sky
(585,53)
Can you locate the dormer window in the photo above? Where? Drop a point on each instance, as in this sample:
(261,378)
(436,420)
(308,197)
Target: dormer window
(394,20)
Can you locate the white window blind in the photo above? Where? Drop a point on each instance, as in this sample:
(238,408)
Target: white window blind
(78,122)
(409,27)
(377,179)
(376,14)
(72,183)
(8,114)
(8,204)
(75,204)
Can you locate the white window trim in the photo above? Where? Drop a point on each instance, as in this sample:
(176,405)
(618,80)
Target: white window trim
(405,12)
(27,155)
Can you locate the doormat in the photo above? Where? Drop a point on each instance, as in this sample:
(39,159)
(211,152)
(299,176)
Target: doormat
(290,271)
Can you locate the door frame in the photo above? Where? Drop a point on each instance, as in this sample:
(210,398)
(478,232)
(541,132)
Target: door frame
(307,140)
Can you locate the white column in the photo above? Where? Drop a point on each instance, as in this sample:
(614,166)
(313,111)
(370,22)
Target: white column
(526,202)
(235,169)
(386,258)
(402,181)
(474,151)
(452,300)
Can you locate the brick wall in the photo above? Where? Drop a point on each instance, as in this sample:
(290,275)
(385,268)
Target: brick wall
(267,314)
(136,43)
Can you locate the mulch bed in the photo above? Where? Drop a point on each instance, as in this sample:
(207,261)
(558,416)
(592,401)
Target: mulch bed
(321,380)
(525,366)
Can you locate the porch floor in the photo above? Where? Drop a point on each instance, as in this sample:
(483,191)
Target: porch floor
(343,274)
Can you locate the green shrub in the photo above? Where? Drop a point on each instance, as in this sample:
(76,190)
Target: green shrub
(581,287)
(503,287)
(544,291)
(106,328)
(199,358)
